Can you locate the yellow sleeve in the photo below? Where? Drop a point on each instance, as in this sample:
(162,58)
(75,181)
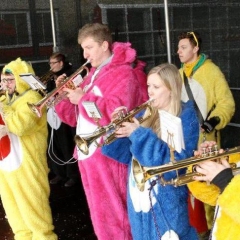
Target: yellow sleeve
(229,200)
(204,192)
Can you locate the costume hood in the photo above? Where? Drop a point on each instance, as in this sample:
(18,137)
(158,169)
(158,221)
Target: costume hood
(124,52)
(18,67)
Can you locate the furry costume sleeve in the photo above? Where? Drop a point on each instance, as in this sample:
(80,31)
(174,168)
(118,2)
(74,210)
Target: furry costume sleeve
(107,91)
(225,105)
(118,150)
(208,193)
(23,122)
(67,112)
(217,92)
(152,147)
(229,200)
(113,94)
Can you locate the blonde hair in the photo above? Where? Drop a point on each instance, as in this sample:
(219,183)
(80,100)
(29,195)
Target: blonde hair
(99,32)
(171,78)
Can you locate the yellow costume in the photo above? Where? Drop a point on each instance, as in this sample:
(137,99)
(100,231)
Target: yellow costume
(214,99)
(24,187)
(227,223)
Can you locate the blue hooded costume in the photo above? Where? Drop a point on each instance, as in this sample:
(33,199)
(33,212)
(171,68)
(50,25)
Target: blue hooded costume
(166,209)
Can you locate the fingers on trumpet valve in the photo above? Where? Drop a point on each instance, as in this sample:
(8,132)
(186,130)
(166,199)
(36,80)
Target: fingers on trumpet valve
(119,113)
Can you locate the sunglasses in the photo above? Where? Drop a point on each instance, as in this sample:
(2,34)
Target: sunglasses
(194,36)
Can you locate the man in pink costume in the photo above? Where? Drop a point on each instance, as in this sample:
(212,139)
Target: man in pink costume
(116,78)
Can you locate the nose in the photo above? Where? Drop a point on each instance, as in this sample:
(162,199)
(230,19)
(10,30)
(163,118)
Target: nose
(149,92)
(85,54)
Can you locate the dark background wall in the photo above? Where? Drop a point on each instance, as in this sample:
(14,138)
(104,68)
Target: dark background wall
(26,31)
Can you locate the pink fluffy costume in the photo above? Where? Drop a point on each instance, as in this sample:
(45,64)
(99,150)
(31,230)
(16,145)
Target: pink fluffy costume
(121,82)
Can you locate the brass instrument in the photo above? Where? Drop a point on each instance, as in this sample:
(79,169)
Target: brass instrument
(46,77)
(142,174)
(3,92)
(54,97)
(84,143)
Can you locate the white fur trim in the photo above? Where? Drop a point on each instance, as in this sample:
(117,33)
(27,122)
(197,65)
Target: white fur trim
(170,235)
(14,159)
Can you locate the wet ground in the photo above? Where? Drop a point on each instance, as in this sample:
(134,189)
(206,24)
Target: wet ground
(70,215)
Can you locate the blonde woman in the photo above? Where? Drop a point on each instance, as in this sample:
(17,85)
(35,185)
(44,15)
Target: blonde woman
(159,212)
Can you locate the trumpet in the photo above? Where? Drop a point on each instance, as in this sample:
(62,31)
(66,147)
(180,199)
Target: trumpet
(46,77)
(84,143)
(54,97)
(142,174)
(2,92)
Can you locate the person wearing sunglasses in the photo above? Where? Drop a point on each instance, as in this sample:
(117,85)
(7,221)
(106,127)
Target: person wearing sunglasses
(206,85)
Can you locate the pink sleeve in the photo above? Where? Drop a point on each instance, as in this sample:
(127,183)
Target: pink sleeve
(67,112)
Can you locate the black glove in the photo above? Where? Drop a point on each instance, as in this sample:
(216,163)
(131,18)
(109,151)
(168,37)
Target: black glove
(210,124)
(223,178)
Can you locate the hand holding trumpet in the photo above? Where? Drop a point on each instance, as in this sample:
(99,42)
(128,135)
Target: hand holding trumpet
(74,95)
(209,169)
(126,128)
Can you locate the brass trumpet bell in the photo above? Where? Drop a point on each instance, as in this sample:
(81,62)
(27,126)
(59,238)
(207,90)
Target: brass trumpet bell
(54,96)
(84,143)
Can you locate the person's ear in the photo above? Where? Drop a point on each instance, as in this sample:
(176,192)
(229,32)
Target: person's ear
(195,49)
(105,45)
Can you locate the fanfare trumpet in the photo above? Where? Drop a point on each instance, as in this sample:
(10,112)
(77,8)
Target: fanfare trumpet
(84,143)
(142,174)
(54,97)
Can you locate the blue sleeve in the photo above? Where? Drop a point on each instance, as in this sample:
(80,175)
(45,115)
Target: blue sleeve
(118,150)
(149,150)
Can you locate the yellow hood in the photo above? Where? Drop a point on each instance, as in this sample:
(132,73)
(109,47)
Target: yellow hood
(17,67)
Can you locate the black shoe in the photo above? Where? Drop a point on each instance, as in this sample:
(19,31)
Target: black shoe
(56,180)
(71,182)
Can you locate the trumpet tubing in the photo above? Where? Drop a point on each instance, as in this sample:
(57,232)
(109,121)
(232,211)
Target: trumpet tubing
(84,143)
(54,97)
(142,174)
(46,77)
(3,92)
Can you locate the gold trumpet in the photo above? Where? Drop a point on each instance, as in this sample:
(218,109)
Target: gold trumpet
(3,92)
(54,97)
(142,174)
(84,143)
(46,77)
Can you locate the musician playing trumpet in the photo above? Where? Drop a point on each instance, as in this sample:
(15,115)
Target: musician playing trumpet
(223,192)
(158,212)
(115,79)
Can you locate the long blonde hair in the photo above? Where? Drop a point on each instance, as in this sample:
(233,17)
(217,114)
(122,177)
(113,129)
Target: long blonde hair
(171,78)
